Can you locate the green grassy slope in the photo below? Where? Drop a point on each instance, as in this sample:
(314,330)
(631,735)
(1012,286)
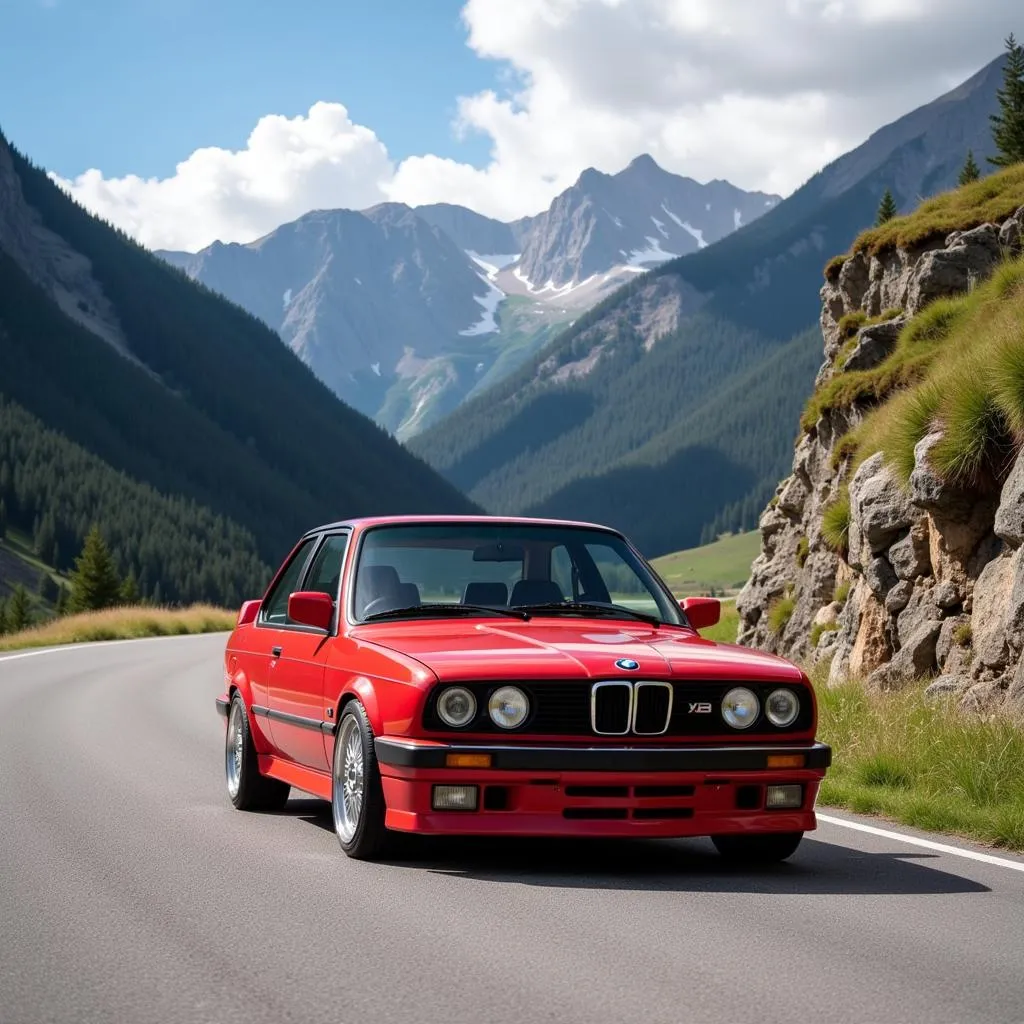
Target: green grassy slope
(723,565)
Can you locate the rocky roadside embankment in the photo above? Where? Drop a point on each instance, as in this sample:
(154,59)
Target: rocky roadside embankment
(930,579)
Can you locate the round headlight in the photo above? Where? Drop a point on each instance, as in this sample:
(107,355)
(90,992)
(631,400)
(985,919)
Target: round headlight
(508,707)
(782,707)
(456,706)
(740,707)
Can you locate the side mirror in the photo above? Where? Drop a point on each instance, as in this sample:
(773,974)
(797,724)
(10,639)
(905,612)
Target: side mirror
(248,612)
(311,608)
(702,611)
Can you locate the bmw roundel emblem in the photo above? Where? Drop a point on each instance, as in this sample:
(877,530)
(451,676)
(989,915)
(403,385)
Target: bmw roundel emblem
(627,664)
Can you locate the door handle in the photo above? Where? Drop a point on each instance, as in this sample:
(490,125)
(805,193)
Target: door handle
(275,651)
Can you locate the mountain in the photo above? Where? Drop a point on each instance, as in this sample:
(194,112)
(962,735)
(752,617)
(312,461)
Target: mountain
(131,396)
(404,313)
(666,408)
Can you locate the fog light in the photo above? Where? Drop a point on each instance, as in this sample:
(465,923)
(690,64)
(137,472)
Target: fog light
(455,798)
(779,798)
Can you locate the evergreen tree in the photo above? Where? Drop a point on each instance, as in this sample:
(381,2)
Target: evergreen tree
(19,613)
(130,590)
(886,209)
(1008,123)
(970,171)
(61,607)
(3,519)
(3,617)
(94,583)
(47,589)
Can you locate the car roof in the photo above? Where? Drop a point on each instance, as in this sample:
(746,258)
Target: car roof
(368,521)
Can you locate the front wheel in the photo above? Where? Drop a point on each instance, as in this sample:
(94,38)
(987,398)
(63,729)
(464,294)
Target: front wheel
(357,796)
(763,848)
(248,790)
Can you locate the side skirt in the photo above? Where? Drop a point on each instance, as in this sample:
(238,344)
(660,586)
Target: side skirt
(306,779)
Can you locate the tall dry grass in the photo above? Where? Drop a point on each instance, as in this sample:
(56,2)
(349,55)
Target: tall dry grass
(122,624)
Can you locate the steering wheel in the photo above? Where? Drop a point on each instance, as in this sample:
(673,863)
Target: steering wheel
(380,604)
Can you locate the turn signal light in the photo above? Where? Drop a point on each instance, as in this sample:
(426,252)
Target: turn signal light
(786,760)
(467,761)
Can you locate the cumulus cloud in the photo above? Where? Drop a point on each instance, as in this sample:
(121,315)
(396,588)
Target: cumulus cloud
(288,167)
(762,92)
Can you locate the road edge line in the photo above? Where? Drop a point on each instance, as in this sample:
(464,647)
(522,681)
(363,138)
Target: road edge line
(928,844)
(85,644)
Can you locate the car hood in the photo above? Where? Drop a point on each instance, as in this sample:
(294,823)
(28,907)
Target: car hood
(571,649)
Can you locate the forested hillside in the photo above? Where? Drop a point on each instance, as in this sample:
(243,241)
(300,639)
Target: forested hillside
(667,409)
(206,406)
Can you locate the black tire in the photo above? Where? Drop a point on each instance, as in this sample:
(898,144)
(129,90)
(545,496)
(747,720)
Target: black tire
(763,848)
(247,789)
(362,834)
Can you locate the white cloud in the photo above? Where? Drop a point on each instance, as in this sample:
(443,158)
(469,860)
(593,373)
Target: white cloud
(288,167)
(762,92)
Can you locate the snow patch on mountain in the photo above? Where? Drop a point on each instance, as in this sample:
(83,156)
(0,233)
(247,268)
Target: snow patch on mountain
(287,298)
(660,225)
(696,232)
(488,323)
(737,219)
(654,252)
(493,264)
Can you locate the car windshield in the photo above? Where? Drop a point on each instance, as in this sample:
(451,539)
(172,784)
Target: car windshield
(446,569)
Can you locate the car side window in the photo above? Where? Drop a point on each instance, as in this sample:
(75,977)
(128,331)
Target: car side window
(325,573)
(275,607)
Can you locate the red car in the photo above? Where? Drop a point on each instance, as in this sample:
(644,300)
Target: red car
(483,676)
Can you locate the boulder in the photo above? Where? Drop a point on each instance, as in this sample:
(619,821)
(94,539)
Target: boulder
(1011,234)
(793,496)
(915,658)
(871,647)
(873,344)
(879,576)
(909,556)
(920,609)
(878,505)
(898,598)
(968,258)
(854,279)
(948,637)
(991,604)
(1009,521)
(928,490)
(986,696)
(947,595)
(946,686)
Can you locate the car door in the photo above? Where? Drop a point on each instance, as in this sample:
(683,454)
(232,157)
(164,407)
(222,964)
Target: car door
(297,669)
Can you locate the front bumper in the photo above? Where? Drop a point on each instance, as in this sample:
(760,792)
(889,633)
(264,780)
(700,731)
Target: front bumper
(599,791)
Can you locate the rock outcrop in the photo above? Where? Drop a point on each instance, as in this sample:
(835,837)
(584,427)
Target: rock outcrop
(928,579)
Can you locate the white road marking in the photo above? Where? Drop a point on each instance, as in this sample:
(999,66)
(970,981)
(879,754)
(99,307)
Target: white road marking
(928,844)
(98,643)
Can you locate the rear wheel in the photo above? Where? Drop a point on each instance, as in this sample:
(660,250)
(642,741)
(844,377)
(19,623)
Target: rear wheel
(763,848)
(248,790)
(357,796)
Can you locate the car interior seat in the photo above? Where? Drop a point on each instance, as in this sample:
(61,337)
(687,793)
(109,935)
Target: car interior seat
(536,592)
(486,592)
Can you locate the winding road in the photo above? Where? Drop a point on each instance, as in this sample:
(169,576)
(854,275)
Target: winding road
(131,892)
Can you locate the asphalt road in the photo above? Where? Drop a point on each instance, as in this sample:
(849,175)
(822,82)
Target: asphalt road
(131,892)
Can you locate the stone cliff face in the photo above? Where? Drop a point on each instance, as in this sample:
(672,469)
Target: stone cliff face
(930,580)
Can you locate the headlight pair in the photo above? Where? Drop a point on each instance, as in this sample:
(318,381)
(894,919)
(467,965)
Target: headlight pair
(508,707)
(740,708)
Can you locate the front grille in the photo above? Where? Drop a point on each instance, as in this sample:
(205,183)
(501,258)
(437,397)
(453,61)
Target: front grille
(569,708)
(652,706)
(611,708)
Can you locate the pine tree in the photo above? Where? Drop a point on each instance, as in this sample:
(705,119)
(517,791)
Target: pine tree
(970,171)
(19,613)
(46,588)
(129,590)
(61,607)
(1008,123)
(94,583)
(886,208)
(3,519)
(3,617)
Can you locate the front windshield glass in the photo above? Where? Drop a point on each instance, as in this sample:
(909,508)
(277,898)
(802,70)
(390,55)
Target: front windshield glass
(444,568)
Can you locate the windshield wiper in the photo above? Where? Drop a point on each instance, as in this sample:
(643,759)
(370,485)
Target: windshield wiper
(449,609)
(585,607)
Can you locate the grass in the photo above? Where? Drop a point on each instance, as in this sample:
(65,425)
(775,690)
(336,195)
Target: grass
(803,549)
(728,625)
(122,624)
(927,765)
(835,522)
(723,565)
(963,635)
(819,629)
(991,199)
(780,611)
(841,593)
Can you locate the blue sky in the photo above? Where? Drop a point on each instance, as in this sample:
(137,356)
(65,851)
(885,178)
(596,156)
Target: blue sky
(137,85)
(186,121)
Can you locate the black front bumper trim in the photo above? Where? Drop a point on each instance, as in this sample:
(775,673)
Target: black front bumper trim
(602,759)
